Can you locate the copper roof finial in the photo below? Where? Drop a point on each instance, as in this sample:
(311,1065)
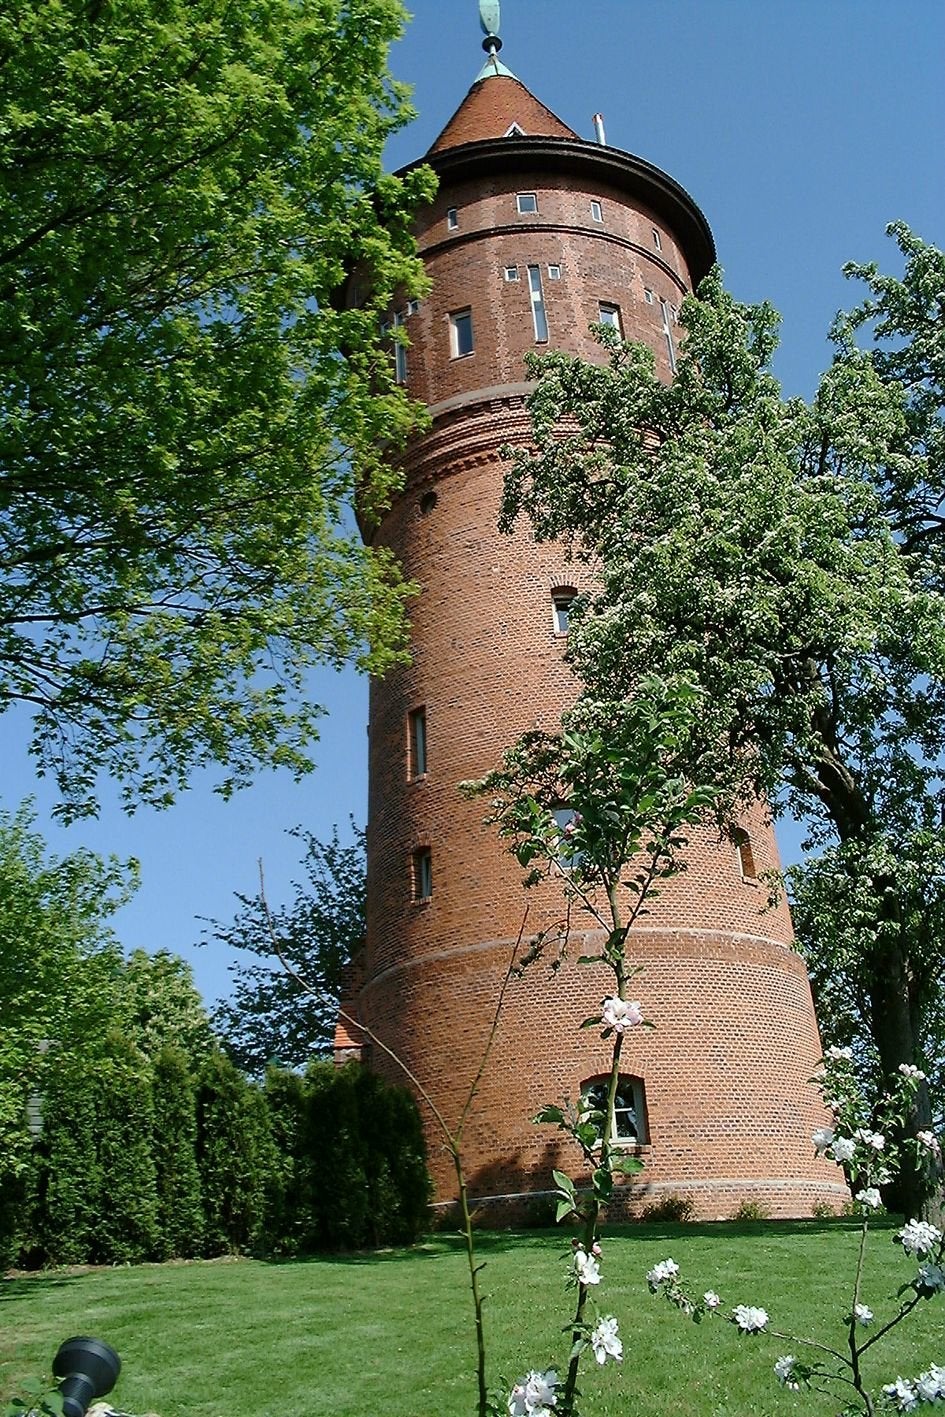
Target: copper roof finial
(490,19)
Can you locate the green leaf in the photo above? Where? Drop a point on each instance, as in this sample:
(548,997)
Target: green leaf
(627,1165)
(564,1182)
(563,1209)
(549,1113)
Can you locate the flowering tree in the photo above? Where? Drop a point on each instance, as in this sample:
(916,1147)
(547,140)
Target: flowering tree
(602,807)
(862,1142)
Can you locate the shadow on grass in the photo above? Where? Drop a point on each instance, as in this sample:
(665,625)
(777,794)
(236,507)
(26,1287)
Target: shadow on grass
(42,1281)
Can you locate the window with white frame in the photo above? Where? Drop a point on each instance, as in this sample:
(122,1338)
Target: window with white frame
(597,212)
(417,742)
(667,311)
(554,272)
(609,315)
(461,333)
(511,273)
(400,353)
(527,202)
(536,295)
(629,1123)
(648,295)
(422,883)
(562,598)
(452,218)
(657,240)
(413,306)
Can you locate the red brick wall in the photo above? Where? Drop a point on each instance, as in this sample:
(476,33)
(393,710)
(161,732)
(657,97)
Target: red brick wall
(726,1071)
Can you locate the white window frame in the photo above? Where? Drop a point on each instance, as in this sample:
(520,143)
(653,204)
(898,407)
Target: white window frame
(554,272)
(422,867)
(657,239)
(667,312)
(536,296)
(459,320)
(413,306)
(648,295)
(526,197)
(562,598)
(609,314)
(452,218)
(400,352)
(630,1087)
(597,211)
(511,273)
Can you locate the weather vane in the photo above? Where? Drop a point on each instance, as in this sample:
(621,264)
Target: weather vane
(490,19)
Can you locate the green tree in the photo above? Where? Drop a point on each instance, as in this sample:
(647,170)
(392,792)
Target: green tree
(186,405)
(786,558)
(270,1016)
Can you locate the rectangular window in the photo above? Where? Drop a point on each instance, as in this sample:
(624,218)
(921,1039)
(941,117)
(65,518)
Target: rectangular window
(597,213)
(452,218)
(554,272)
(511,272)
(538,304)
(417,723)
(648,295)
(422,874)
(413,306)
(668,332)
(527,202)
(461,333)
(400,354)
(610,315)
(561,602)
(657,240)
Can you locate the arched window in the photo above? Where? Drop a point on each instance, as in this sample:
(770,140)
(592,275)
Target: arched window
(746,857)
(630,1127)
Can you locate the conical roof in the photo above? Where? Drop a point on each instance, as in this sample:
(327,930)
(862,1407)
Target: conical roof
(495,104)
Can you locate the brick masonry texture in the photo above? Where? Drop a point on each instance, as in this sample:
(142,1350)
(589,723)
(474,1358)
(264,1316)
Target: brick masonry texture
(726,1072)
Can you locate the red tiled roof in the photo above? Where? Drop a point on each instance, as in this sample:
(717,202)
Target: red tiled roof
(491,107)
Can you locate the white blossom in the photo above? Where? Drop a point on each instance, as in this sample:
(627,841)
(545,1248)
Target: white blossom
(620,1015)
(749,1318)
(822,1138)
(863,1314)
(930,1141)
(876,1140)
(784,1370)
(534,1396)
(869,1197)
(908,1071)
(586,1267)
(930,1386)
(844,1149)
(840,1054)
(605,1342)
(918,1237)
(902,1394)
(711,1299)
(660,1273)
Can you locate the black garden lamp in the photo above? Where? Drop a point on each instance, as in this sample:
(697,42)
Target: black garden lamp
(87,1369)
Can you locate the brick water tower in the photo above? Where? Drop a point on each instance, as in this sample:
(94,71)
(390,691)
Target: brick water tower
(535,235)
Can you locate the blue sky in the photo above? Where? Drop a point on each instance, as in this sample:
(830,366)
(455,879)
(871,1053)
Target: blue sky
(800,127)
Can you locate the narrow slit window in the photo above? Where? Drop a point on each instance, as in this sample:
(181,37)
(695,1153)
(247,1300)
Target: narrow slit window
(417,744)
(413,306)
(422,874)
(561,602)
(461,333)
(452,218)
(668,332)
(538,304)
(527,202)
(597,212)
(746,857)
(610,315)
(657,240)
(400,353)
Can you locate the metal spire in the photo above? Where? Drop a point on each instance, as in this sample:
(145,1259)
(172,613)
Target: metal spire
(489,19)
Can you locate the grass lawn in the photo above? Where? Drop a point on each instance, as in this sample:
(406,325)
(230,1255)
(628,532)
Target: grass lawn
(390,1333)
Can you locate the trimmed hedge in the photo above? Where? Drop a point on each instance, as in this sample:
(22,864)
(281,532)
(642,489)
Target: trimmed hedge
(144,1159)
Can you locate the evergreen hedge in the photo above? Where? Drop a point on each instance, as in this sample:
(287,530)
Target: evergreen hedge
(147,1159)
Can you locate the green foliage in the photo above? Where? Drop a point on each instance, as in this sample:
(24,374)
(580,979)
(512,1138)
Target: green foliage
(174,1148)
(750,1211)
(187,407)
(678,1209)
(270,1017)
(786,559)
(234,1157)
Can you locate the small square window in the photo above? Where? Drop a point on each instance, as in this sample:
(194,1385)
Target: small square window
(511,272)
(554,272)
(657,240)
(648,296)
(610,315)
(597,213)
(422,874)
(527,202)
(452,218)
(417,742)
(413,306)
(461,333)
